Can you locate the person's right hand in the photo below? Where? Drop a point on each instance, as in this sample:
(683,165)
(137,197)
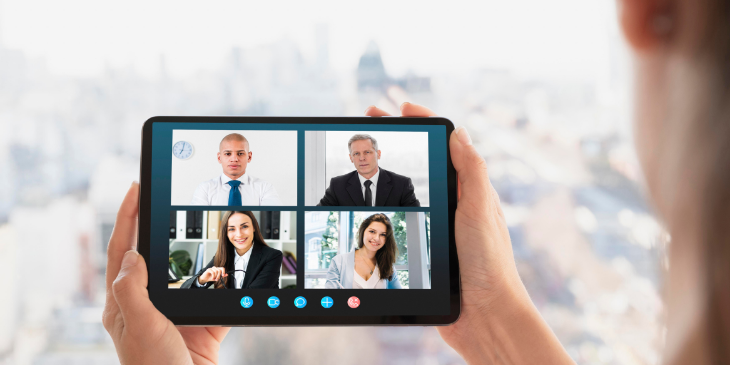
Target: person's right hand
(498,321)
(212,274)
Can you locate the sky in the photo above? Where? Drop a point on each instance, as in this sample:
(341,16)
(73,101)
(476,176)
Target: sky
(563,38)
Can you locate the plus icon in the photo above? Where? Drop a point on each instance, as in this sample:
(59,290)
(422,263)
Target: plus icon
(327,302)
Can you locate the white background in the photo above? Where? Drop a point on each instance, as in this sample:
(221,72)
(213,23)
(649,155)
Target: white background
(274,160)
(74,100)
(404,153)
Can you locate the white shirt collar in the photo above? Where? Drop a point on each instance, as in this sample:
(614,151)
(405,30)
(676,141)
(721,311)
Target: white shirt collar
(373,179)
(246,256)
(243,179)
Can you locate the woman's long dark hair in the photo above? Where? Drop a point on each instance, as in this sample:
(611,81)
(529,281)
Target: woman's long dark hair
(224,255)
(384,257)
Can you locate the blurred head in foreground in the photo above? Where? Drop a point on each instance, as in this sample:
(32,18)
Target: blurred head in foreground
(682,130)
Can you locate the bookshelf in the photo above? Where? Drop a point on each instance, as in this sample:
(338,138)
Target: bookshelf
(202,250)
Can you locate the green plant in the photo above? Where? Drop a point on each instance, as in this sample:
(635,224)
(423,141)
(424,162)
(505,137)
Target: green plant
(175,269)
(181,258)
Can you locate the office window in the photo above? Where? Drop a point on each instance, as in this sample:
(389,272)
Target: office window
(322,238)
(403,277)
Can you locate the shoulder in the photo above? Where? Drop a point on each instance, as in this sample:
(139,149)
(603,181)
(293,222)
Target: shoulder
(393,175)
(268,251)
(343,178)
(340,257)
(336,263)
(393,281)
(207,184)
(257,181)
(337,259)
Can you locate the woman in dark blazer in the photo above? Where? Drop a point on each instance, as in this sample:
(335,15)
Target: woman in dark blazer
(243,259)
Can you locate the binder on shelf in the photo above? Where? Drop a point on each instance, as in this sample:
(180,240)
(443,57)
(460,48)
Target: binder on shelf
(285,226)
(173,224)
(181,224)
(198,224)
(275,224)
(266,224)
(214,225)
(290,262)
(288,268)
(190,224)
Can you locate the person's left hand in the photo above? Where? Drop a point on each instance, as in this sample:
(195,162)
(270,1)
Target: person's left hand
(141,334)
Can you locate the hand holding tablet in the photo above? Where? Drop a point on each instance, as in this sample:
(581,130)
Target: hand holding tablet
(493,295)
(141,334)
(497,315)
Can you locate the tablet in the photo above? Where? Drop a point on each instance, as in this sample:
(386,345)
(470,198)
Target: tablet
(285,220)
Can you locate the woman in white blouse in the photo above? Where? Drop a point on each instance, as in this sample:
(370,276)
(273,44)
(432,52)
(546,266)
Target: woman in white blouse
(372,264)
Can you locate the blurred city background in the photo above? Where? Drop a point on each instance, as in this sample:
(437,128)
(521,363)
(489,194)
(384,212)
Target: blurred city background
(543,87)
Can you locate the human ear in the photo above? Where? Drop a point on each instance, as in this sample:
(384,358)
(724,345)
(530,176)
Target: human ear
(219,157)
(645,23)
(378,154)
(250,156)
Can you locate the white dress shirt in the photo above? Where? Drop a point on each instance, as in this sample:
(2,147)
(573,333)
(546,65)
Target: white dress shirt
(373,187)
(240,262)
(374,282)
(253,191)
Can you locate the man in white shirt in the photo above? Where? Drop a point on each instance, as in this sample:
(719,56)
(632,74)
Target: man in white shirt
(234,187)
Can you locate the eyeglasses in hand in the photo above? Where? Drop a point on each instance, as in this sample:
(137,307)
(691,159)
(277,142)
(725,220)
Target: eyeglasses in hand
(231,274)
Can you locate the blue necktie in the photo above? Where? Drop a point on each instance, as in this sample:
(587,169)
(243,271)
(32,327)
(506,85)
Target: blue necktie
(234,197)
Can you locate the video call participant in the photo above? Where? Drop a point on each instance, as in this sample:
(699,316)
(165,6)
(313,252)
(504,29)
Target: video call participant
(243,260)
(369,185)
(234,187)
(372,264)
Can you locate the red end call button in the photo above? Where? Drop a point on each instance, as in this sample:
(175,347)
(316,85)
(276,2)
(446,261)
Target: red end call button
(353,302)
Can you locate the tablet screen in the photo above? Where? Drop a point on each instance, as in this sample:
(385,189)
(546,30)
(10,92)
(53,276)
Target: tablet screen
(287,222)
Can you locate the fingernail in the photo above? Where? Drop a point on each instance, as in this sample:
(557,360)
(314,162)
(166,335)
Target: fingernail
(130,259)
(368,108)
(463,136)
(404,104)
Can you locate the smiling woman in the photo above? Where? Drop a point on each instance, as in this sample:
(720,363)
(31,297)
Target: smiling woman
(372,264)
(242,260)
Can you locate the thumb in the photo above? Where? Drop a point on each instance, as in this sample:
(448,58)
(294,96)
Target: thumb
(130,292)
(470,167)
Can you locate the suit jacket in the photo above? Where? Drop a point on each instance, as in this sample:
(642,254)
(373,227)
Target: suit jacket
(393,190)
(341,273)
(262,272)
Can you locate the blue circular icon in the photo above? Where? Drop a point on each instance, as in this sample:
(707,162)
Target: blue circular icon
(246,302)
(300,302)
(273,302)
(327,302)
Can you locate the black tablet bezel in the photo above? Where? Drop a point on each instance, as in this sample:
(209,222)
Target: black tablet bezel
(143,245)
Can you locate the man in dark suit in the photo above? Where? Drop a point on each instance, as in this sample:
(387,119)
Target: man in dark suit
(369,185)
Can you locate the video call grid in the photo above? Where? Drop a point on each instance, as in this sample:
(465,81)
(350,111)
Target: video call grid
(301,208)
